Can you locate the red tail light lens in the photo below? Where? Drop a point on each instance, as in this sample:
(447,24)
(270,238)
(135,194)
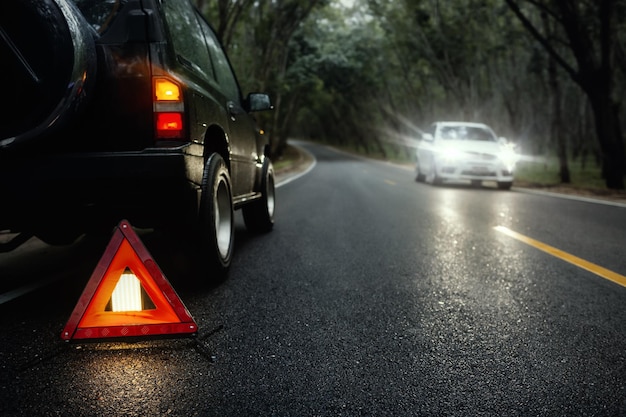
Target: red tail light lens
(169,125)
(169,109)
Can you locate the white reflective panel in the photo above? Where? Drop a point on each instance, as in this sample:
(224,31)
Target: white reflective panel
(127,294)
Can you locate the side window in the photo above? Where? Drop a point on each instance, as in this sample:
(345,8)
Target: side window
(187,37)
(223,70)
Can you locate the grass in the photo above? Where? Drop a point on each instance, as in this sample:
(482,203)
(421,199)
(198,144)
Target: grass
(292,159)
(289,158)
(545,172)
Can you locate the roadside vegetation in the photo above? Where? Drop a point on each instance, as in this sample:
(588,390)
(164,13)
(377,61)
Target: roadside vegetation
(289,159)
(545,172)
(369,75)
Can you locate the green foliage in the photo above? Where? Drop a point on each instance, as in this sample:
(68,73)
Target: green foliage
(545,172)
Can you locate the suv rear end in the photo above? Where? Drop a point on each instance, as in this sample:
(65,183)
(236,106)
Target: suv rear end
(116,117)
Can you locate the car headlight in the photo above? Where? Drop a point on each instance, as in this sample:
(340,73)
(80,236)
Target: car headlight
(450,154)
(509,158)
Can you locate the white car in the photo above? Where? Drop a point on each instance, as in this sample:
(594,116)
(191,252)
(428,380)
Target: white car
(464,151)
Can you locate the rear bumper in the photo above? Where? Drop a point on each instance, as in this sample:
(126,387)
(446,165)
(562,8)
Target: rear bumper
(143,185)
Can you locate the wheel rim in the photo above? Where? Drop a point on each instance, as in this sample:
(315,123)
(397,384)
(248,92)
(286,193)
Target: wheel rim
(270,195)
(223,219)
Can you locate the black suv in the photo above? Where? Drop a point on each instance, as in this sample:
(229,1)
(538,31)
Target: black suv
(126,109)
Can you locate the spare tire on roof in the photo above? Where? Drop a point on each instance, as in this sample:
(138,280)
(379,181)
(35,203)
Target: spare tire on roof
(48,61)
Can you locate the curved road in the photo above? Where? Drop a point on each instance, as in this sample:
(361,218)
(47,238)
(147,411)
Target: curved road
(373,296)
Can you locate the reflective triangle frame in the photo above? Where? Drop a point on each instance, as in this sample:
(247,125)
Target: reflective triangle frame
(91,322)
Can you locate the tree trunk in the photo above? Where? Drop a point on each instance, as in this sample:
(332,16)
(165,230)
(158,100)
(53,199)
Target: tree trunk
(595,72)
(556,128)
(608,129)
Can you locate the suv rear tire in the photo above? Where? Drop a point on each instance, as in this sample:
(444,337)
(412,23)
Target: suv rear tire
(259,215)
(216,220)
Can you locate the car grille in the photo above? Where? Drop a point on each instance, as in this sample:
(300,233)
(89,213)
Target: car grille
(481,156)
(479,173)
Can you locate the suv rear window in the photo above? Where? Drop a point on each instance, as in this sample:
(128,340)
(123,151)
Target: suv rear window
(99,13)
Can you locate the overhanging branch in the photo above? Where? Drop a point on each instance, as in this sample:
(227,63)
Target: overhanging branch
(542,39)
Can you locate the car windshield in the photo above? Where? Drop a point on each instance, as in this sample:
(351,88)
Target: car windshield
(465,133)
(99,13)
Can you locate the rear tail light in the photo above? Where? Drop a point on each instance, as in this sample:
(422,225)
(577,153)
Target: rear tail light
(169,109)
(169,123)
(166,90)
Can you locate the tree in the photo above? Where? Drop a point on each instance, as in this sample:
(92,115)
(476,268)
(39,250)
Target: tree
(260,32)
(347,60)
(461,59)
(277,30)
(589,30)
(557,126)
(228,15)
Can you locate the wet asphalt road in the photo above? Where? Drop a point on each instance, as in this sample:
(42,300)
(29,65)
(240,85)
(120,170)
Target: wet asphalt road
(373,296)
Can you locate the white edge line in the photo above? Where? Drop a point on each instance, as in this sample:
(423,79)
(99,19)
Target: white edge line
(570,197)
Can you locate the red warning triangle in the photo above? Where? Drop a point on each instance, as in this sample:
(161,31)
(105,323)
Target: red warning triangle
(96,317)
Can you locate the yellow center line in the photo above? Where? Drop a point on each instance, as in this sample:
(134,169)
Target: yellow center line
(581,263)
(390,182)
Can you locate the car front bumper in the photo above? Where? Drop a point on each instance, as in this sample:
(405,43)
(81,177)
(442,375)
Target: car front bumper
(475,170)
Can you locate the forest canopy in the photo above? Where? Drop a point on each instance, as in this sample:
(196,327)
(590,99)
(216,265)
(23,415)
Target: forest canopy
(546,74)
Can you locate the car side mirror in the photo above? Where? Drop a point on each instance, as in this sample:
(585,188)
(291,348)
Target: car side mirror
(428,137)
(259,102)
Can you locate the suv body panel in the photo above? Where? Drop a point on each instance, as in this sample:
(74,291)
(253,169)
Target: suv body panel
(107,162)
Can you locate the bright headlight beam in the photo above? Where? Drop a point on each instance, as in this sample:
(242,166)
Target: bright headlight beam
(509,157)
(450,154)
